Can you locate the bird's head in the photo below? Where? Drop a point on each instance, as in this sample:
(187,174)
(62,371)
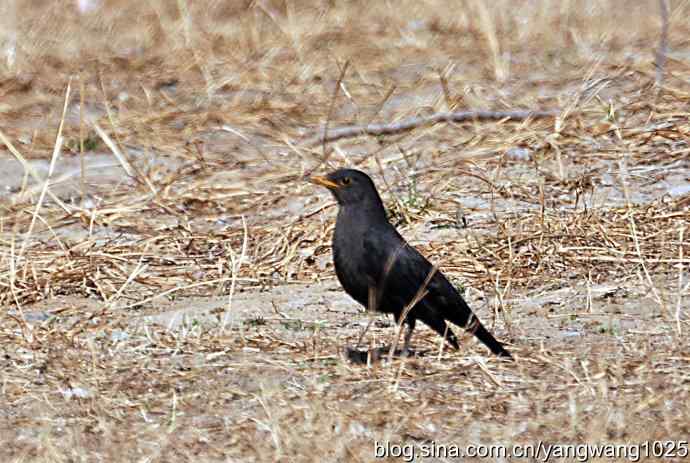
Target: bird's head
(350,187)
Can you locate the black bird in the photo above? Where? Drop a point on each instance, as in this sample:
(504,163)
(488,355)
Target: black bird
(377,267)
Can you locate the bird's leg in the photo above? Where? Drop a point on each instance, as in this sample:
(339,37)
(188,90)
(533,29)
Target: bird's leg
(370,311)
(408,335)
(361,336)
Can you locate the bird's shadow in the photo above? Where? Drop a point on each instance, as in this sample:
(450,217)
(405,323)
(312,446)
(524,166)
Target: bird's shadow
(374,355)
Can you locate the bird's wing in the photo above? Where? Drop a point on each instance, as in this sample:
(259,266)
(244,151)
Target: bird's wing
(400,272)
(447,300)
(396,269)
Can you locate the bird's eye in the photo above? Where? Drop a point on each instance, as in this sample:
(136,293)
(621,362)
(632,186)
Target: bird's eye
(346,181)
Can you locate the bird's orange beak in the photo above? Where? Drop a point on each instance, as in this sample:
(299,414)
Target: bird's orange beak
(323,181)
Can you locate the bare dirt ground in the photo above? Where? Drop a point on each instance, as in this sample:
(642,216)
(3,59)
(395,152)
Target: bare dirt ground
(166,283)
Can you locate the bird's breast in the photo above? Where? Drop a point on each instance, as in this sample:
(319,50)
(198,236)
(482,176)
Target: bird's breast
(348,255)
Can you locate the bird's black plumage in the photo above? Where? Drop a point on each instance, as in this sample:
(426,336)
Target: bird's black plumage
(377,267)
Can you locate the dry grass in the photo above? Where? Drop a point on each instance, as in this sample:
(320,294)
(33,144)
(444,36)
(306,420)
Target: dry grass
(153,156)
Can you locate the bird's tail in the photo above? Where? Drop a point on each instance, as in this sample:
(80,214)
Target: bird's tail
(475,327)
(468,320)
(487,338)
